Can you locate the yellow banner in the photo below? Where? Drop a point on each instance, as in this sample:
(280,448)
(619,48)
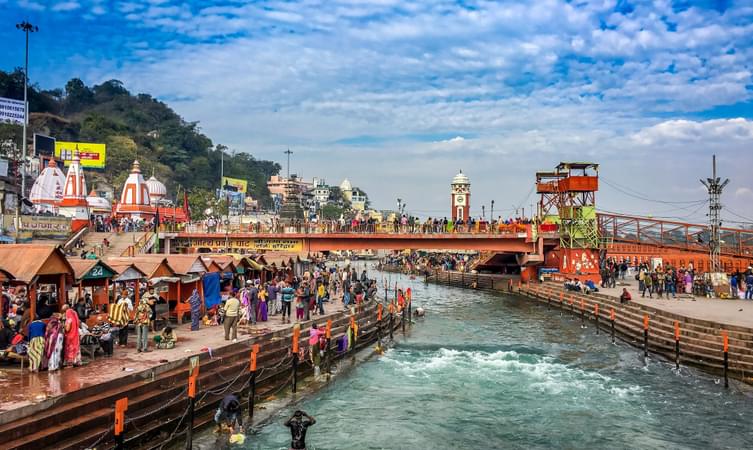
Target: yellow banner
(280,245)
(237,183)
(92,155)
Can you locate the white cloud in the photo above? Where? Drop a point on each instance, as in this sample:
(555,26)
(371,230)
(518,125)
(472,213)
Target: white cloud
(66,6)
(744,192)
(521,86)
(31,5)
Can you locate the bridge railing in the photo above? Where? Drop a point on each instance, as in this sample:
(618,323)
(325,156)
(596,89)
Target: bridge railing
(362,228)
(664,233)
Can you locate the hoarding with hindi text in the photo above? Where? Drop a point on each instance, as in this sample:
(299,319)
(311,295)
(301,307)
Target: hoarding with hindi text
(93,156)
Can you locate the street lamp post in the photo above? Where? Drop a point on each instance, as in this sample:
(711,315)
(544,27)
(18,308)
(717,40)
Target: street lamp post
(492,211)
(27,28)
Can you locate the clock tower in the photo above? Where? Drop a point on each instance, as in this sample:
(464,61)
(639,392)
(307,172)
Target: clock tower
(460,198)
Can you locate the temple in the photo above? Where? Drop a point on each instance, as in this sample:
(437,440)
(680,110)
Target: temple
(135,199)
(47,191)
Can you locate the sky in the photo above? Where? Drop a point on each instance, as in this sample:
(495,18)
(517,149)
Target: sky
(398,96)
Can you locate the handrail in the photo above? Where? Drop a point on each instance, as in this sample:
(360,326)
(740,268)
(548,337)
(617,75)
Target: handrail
(76,236)
(139,245)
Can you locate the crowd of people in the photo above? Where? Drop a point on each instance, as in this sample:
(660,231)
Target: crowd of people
(667,281)
(422,263)
(258,302)
(368,224)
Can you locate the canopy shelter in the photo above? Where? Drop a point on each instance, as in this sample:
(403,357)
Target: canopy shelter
(189,269)
(96,275)
(212,265)
(43,269)
(154,267)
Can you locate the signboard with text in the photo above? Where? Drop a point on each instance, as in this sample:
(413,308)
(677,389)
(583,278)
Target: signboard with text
(41,226)
(280,245)
(11,111)
(92,155)
(234,183)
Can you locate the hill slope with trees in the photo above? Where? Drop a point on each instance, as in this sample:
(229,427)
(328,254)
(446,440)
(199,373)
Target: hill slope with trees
(134,127)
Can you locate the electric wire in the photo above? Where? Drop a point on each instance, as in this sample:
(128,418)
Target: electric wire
(640,196)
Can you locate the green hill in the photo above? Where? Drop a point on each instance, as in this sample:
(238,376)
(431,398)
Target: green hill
(134,127)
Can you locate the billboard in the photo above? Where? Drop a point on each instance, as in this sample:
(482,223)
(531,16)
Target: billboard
(11,111)
(92,155)
(44,145)
(234,184)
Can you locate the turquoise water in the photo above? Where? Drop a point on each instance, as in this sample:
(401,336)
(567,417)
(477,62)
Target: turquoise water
(491,371)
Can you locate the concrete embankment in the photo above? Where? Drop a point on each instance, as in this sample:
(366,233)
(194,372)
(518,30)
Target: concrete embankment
(701,342)
(158,400)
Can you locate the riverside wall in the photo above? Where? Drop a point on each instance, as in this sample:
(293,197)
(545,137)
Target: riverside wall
(158,402)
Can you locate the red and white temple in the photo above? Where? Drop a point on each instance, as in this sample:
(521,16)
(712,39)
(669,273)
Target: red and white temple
(134,200)
(73,203)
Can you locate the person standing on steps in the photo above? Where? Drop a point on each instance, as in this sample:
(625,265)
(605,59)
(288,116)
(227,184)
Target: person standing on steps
(287,300)
(298,428)
(119,317)
(142,319)
(232,308)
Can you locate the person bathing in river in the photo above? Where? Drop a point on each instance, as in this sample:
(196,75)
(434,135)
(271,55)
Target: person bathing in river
(298,428)
(229,413)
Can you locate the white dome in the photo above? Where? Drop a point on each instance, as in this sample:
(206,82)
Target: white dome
(157,190)
(48,187)
(98,204)
(345,185)
(460,178)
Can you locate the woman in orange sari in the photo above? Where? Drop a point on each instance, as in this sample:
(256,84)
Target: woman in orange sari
(72,350)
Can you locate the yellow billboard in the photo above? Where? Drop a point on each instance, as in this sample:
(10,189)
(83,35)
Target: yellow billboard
(237,183)
(92,155)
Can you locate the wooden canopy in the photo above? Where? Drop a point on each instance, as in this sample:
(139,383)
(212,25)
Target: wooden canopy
(27,262)
(91,269)
(154,266)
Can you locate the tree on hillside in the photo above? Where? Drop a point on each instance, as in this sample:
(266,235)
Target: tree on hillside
(134,127)
(77,96)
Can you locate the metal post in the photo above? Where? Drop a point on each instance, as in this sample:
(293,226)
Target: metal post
(189,429)
(294,350)
(645,336)
(677,345)
(121,405)
(295,372)
(402,318)
(726,358)
(611,318)
(252,384)
(582,313)
(392,320)
(596,317)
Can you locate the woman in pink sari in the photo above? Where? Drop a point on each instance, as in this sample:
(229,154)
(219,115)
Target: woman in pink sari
(72,351)
(53,344)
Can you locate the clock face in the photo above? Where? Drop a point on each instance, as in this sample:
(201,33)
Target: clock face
(459,199)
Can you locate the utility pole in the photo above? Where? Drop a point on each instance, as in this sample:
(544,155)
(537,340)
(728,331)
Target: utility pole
(27,28)
(715,186)
(288,152)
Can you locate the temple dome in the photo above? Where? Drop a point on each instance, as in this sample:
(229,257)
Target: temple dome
(346,186)
(157,190)
(134,199)
(460,178)
(97,203)
(47,190)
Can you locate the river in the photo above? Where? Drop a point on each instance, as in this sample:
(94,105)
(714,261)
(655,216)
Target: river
(491,371)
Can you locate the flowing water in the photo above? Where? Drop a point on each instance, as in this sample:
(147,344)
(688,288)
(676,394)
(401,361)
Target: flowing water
(484,371)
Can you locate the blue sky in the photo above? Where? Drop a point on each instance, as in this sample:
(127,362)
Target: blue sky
(399,95)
